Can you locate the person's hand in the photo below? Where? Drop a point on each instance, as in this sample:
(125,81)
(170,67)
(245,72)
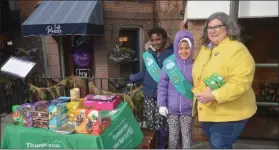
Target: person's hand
(163,111)
(132,77)
(147,45)
(183,25)
(205,96)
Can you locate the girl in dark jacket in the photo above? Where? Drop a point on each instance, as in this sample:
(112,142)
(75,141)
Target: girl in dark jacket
(161,49)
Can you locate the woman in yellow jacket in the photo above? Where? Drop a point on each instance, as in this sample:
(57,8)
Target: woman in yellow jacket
(225,111)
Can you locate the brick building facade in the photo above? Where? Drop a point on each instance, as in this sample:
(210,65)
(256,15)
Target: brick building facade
(117,14)
(158,13)
(263,45)
(166,14)
(261,36)
(261,32)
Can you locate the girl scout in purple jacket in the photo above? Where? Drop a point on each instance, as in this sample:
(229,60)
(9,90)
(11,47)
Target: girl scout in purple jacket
(174,90)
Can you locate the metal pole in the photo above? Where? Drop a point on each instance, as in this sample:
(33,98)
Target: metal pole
(185,11)
(267,104)
(43,39)
(234,10)
(267,65)
(61,54)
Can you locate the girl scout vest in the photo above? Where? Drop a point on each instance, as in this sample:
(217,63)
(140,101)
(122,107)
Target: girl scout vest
(177,78)
(151,66)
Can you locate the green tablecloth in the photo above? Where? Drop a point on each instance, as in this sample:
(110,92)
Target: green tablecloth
(123,132)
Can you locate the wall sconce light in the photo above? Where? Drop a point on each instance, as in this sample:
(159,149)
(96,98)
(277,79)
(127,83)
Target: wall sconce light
(10,43)
(123,39)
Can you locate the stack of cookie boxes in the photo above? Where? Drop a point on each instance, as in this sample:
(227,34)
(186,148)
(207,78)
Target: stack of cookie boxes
(41,114)
(89,119)
(214,82)
(85,114)
(31,115)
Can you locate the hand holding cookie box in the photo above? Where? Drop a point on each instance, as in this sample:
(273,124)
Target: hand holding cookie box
(214,82)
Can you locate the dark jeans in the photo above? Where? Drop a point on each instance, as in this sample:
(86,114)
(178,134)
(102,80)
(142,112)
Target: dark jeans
(222,135)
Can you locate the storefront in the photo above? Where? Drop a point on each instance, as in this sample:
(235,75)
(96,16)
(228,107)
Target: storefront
(72,25)
(260,34)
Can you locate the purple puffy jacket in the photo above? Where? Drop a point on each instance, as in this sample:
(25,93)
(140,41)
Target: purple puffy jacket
(167,95)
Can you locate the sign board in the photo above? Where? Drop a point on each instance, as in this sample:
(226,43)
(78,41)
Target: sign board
(203,9)
(258,9)
(82,57)
(200,10)
(54,29)
(79,40)
(17,67)
(86,73)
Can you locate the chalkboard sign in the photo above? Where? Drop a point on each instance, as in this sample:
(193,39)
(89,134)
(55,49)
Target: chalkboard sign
(78,40)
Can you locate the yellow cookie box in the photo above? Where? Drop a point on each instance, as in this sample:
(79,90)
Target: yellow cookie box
(74,105)
(200,86)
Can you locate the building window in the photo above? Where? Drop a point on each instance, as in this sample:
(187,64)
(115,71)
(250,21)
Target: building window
(261,37)
(130,41)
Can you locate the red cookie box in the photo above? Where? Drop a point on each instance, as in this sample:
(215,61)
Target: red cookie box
(98,128)
(99,105)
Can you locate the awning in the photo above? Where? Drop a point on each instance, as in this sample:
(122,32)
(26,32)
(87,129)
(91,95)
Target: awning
(65,18)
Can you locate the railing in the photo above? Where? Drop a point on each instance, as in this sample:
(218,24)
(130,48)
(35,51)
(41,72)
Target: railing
(18,90)
(13,92)
(267,65)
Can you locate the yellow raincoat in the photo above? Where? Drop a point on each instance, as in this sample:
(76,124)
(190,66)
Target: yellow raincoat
(235,100)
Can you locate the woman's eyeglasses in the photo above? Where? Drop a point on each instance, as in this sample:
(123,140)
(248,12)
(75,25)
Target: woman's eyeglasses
(215,28)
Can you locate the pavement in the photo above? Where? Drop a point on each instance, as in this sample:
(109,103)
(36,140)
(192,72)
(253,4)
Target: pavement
(5,120)
(240,144)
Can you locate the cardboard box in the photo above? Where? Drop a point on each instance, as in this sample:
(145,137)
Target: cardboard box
(57,113)
(218,79)
(199,87)
(17,115)
(87,121)
(97,128)
(27,115)
(41,123)
(85,118)
(101,105)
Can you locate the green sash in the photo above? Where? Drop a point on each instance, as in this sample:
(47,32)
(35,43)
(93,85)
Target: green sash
(152,67)
(177,78)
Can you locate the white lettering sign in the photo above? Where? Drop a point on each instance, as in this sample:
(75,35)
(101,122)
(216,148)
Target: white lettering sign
(54,29)
(122,135)
(83,72)
(54,144)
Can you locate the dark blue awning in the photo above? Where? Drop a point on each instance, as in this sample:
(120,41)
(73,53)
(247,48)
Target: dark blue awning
(65,18)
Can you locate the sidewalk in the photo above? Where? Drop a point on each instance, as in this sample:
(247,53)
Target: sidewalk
(240,144)
(5,120)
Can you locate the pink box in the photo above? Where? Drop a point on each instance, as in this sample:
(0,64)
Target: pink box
(98,105)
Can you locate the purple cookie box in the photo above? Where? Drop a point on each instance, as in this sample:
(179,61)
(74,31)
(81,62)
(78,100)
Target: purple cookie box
(41,105)
(28,122)
(28,118)
(26,108)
